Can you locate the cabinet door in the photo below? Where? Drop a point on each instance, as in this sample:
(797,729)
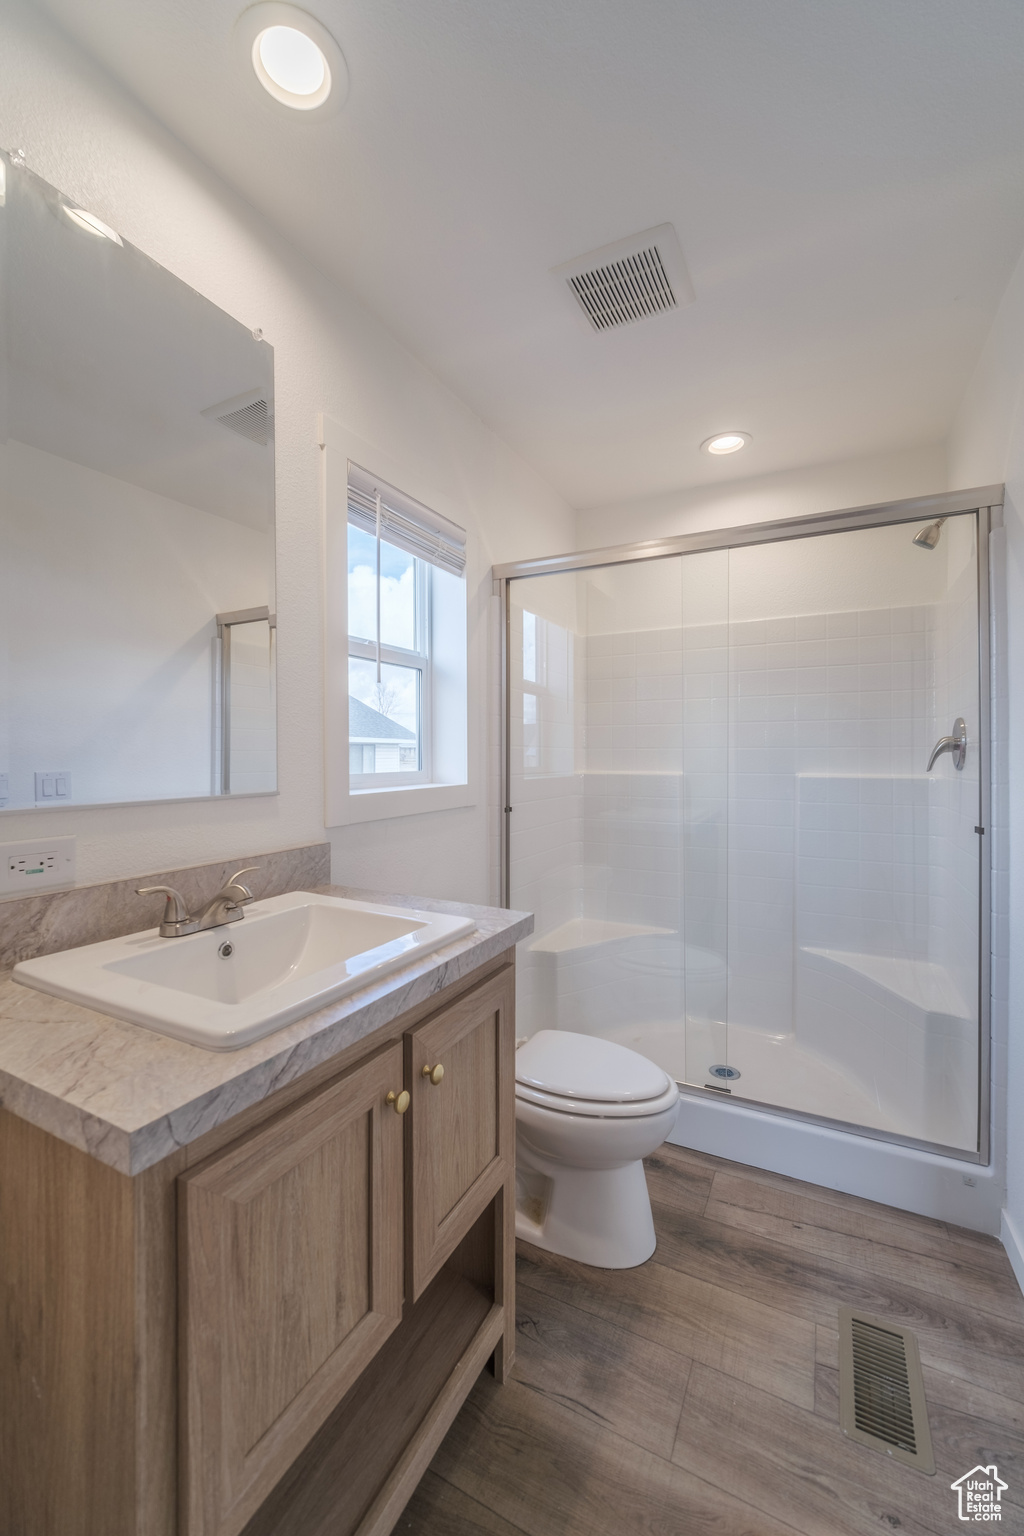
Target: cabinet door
(463,1126)
(291,1264)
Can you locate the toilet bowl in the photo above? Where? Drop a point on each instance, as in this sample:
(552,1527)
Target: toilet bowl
(588,1111)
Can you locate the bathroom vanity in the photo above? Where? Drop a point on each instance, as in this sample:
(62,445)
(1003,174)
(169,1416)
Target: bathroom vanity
(248,1292)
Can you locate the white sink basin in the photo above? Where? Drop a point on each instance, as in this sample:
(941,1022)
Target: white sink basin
(289,956)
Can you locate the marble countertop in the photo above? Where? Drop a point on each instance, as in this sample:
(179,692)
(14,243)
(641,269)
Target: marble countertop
(130,1097)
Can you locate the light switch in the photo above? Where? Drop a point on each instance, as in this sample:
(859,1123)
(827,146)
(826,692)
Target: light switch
(53,787)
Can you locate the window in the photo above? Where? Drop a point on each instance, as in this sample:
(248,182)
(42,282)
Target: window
(388,686)
(406,614)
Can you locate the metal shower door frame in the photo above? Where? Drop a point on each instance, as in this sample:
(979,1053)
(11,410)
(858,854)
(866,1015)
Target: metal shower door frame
(225,623)
(986,503)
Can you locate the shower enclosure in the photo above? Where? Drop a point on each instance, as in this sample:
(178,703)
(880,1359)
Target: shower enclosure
(723,803)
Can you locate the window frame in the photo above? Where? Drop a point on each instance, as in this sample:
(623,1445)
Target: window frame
(460,651)
(418,660)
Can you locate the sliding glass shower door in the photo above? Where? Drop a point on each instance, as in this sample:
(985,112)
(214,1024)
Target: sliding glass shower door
(743,857)
(618,836)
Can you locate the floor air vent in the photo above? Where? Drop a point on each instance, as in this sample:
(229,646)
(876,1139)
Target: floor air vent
(881,1390)
(630,280)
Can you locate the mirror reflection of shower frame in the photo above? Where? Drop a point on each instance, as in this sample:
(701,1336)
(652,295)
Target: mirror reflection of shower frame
(986,504)
(222,688)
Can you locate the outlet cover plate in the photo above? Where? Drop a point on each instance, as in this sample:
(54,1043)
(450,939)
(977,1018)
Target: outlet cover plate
(41,864)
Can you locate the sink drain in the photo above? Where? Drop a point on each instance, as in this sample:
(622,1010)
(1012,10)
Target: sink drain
(729,1073)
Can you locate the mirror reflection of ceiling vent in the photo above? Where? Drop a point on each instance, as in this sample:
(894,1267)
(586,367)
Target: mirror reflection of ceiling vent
(249,415)
(631,279)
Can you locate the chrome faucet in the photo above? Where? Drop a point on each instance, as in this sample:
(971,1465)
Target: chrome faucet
(226,906)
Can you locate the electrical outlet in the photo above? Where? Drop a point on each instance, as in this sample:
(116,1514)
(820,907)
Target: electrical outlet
(36,866)
(5,788)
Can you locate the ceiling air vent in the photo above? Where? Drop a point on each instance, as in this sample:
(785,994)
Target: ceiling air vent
(249,415)
(630,280)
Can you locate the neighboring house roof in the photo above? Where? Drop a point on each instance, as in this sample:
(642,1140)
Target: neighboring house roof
(366,724)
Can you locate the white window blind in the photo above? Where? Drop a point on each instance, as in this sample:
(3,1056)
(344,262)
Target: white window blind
(405,523)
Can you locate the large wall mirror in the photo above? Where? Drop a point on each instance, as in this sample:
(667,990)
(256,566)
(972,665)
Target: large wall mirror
(137,612)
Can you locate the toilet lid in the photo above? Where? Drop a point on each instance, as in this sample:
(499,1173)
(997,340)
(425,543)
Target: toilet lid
(585,1067)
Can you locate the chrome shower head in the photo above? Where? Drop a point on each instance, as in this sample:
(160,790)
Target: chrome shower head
(929,537)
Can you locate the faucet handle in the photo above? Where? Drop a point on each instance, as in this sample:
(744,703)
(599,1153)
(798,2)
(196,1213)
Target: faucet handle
(175,910)
(956,744)
(235,883)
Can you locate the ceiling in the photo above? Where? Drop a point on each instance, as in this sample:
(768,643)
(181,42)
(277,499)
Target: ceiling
(846,181)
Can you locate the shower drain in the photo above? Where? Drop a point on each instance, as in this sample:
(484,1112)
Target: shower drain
(728,1073)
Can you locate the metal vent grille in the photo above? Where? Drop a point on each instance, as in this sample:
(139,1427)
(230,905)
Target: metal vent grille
(250,415)
(630,279)
(252,421)
(625,290)
(881,1390)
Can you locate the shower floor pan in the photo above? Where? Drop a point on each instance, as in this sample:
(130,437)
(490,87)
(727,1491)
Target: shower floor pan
(776,1069)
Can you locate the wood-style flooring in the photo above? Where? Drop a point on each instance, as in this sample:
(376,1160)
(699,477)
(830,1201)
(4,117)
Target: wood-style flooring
(700,1393)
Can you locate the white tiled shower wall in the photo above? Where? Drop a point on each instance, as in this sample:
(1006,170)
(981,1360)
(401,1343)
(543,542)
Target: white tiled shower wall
(827,803)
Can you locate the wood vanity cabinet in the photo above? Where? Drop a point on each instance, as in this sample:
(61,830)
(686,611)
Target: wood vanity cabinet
(291,1275)
(461,1067)
(313,1289)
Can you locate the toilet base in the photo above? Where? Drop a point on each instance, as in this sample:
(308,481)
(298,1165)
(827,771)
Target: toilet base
(599,1216)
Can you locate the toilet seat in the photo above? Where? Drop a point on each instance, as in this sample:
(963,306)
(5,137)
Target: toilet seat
(596,1109)
(573,1074)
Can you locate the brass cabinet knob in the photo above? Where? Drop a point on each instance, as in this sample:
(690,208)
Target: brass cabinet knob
(433,1074)
(398,1101)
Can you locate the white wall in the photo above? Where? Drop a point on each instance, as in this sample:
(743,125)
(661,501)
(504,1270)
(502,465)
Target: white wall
(763,498)
(92,139)
(108,598)
(987,444)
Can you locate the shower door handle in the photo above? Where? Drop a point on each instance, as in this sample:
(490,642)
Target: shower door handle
(956,744)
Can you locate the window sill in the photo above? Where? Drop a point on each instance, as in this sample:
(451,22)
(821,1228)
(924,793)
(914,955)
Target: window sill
(402,800)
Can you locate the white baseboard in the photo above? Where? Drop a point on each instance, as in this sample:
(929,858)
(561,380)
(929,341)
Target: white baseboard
(1014,1245)
(912,1180)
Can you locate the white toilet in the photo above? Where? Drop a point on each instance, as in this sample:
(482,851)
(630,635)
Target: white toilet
(587,1112)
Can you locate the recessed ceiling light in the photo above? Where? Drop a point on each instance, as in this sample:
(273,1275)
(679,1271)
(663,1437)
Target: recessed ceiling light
(726,442)
(289,64)
(294,58)
(89,221)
